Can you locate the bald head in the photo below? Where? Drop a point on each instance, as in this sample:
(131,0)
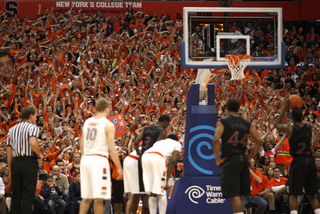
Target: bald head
(56,170)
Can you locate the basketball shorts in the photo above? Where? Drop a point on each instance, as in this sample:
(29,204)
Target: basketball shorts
(154,173)
(131,175)
(303,173)
(234,176)
(95,177)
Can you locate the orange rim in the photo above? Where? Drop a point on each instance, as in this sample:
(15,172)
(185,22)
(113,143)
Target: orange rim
(234,60)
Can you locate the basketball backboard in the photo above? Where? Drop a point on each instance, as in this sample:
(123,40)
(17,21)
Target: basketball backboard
(211,33)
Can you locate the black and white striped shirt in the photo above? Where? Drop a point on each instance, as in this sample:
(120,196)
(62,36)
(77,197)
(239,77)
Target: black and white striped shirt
(18,139)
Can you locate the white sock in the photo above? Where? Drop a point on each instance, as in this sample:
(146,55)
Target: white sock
(162,204)
(152,205)
(294,212)
(239,213)
(317,211)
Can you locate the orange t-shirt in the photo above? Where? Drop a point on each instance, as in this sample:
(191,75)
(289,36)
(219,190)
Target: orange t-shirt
(254,184)
(274,183)
(264,184)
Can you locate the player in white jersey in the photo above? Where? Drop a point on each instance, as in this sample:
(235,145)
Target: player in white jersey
(95,145)
(131,177)
(155,175)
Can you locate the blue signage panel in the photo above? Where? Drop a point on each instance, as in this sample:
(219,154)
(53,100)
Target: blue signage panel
(200,128)
(198,195)
(199,191)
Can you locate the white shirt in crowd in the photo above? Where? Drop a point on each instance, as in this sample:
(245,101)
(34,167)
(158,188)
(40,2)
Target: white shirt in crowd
(236,33)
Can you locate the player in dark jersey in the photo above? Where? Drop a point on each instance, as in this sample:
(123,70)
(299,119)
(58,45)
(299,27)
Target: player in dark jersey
(149,136)
(234,168)
(302,172)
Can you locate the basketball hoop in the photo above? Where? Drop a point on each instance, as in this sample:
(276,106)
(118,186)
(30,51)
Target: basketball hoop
(237,64)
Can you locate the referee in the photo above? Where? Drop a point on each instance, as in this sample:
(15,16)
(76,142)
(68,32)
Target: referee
(22,152)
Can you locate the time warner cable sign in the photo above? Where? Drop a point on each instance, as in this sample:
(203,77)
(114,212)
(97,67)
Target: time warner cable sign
(210,194)
(199,190)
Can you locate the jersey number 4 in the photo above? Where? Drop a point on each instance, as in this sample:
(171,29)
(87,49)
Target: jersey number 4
(91,134)
(234,139)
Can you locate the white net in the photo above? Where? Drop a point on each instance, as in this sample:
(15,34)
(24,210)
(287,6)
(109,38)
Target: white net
(237,64)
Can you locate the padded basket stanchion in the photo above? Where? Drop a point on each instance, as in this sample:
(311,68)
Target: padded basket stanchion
(237,64)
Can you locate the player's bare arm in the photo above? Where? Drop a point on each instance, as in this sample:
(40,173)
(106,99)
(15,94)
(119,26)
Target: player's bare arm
(81,146)
(216,143)
(110,130)
(258,142)
(286,128)
(162,135)
(171,166)
(136,143)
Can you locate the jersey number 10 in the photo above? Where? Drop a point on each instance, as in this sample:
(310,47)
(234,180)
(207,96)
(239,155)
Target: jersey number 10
(91,134)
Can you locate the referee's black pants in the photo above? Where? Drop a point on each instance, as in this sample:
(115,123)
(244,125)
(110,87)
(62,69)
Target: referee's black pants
(23,184)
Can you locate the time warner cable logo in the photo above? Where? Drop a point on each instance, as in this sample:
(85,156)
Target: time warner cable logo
(213,193)
(195,192)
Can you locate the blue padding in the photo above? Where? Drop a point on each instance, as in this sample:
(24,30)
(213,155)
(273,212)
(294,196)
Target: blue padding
(199,190)
(199,132)
(197,195)
(264,62)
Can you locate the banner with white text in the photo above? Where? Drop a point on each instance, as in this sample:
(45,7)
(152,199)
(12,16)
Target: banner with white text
(291,10)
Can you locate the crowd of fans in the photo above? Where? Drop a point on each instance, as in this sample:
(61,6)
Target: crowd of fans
(65,62)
